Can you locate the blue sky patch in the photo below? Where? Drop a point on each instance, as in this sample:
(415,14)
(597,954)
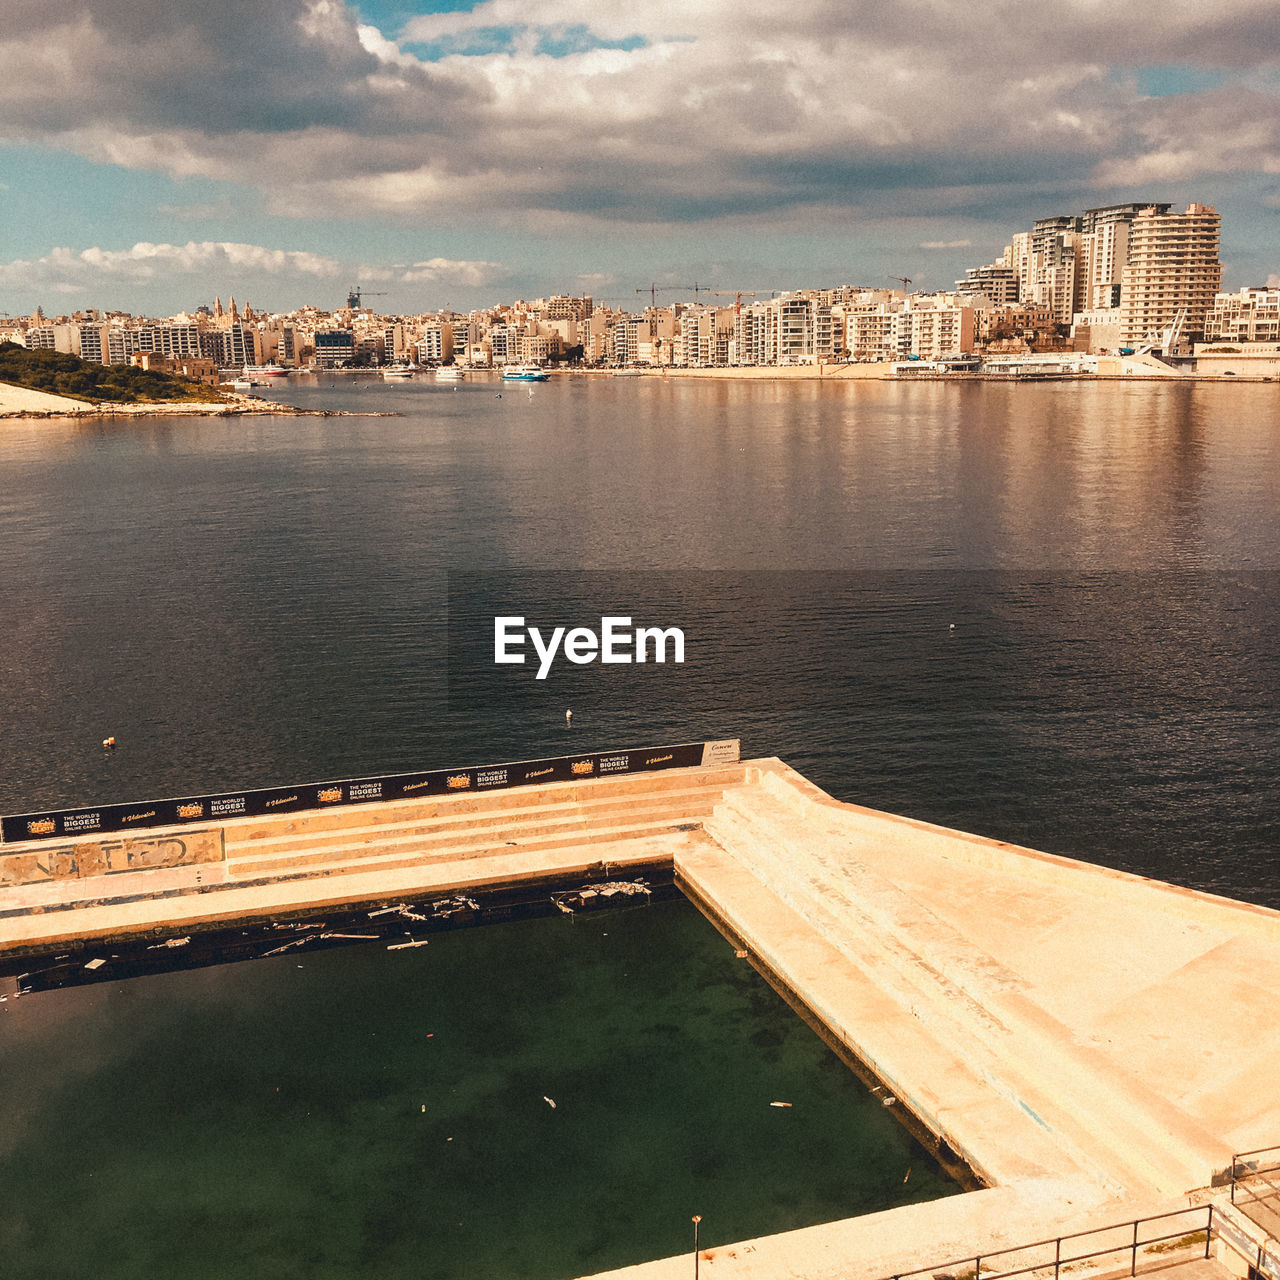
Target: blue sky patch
(578,39)
(475,43)
(1164,82)
(390,15)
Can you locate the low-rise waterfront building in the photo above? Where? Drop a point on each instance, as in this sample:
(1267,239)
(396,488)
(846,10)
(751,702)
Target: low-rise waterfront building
(334,347)
(1251,315)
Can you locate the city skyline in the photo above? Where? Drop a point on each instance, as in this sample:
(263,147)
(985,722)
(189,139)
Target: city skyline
(439,156)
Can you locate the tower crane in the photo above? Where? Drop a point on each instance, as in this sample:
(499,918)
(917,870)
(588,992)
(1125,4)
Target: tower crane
(355,293)
(906,281)
(654,289)
(737,294)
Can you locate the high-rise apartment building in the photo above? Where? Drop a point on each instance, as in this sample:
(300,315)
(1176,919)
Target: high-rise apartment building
(1173,268)
(1104,244)
(997,283)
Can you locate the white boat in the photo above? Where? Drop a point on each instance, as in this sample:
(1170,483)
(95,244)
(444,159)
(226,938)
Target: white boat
(400,371)
(524,373)
(450,373)
(264,371)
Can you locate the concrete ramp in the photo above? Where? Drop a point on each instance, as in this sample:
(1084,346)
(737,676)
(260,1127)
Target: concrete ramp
(1117,1014)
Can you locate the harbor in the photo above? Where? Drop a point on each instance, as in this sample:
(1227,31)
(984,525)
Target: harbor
(1086,699)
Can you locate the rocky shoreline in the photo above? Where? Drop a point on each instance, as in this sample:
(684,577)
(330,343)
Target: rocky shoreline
(22,402)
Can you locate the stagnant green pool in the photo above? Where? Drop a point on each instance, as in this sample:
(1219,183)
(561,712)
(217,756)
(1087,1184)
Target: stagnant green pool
(542,1099)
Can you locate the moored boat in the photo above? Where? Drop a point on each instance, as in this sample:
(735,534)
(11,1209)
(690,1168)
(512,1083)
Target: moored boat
(524,373)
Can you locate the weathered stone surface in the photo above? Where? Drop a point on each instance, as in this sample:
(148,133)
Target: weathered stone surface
(83,858)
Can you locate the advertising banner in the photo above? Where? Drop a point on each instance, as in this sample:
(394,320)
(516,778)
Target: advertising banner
(91,820)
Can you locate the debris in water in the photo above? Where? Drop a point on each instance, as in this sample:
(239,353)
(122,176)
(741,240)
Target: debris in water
(399,909)
(888,1102)
(297,942)
(572,898)
(447,907)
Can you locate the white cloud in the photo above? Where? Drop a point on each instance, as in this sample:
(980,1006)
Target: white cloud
(67,270)
(945,244)
(444,271)
(702,110)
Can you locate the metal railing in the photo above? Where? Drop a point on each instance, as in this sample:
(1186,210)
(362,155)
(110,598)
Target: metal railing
(1125,1238)
(1250,1164)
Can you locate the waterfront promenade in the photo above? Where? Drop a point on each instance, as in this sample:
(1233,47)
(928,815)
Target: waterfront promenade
(1092,1045)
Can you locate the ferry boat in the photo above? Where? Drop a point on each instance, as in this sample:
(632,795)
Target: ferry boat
(400,371)
(524,373)
(450,373)
(264,371)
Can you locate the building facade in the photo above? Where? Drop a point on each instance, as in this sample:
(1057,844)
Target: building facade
(1173,271)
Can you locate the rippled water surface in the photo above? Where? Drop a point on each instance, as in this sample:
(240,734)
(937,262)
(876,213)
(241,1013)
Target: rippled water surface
(255,600)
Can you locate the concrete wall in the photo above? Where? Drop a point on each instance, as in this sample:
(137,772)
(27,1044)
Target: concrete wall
(103,856)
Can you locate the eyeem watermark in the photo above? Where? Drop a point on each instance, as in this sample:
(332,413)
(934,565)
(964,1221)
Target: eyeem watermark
(616,641)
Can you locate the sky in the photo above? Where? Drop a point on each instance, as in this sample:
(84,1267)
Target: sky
(156,154)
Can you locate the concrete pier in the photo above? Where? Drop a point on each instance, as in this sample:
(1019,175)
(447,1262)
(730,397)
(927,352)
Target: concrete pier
(1094,1045)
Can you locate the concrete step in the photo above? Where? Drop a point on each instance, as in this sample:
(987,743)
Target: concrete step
(960,985)
(603,844)
(385,813)
(337,858)
(464,823)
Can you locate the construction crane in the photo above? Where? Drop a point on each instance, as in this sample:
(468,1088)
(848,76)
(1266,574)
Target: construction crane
(906,281)
(354,295)
(654,289)
(1164,340)
(737,294)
